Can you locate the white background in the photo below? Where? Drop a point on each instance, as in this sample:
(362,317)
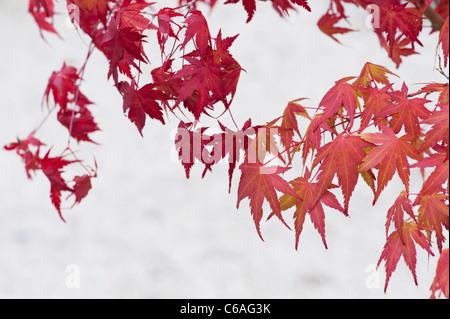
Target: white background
(145,231)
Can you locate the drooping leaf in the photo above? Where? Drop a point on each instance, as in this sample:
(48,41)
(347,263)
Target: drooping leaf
(434,214)
(440,285)
(306,205)
(142,102)
(391,154)
(341,95)
(397,247)
(258,183)
(340,157)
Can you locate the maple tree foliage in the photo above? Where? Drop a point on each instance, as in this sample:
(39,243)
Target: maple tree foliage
(364,130)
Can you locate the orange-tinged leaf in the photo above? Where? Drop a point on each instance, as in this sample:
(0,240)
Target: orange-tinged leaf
(372,72)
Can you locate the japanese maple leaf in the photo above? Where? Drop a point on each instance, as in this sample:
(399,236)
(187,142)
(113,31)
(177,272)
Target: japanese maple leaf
(375,101)
(440,175)
(306,205)
(373,73)
(142,102)
(62,85)
(197,27)
(313,137)
(281,6)
(289,124)
(249,5)
(230,143)
(258,183)
(397,247)
(397,212)
(80,123)
(164,28)
(122,46)
(341,95)
(440,285)
(131,14)
(191,146)
(399,48)
(391,154)
(327,24)
(22,148)
(440,130)
(444,40)
(434,213)
(396,18)
(82,187)
(408,111)
(200,77)
(43,12)
(340,157)
(53,167)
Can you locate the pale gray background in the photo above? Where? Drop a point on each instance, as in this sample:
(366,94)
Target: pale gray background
(145,231)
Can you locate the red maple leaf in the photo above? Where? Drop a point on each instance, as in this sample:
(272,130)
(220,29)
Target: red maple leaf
(407,112)
(341,95)
(398,246)
(289,124)
(43,12)
(439,133)
(142,102)
(79,121)
(122,46)
(230,143)
(396,17)
(307,205)
(375,101)
(258,183)
(398,49)
(397,212)
(327,24)
(82,187)
(340,157)
(444,40)
(52,167)
(202,78)
(191,146)
(391,155)
(22,148)
(281,6)
(440,175)
(131,14)
(440,284)
(433,214)
(64,88)
(197,28)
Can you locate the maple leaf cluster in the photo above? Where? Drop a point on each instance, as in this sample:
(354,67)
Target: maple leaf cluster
(53,169)
(364,129)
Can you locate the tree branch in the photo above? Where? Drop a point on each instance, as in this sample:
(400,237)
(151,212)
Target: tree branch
(431,14)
